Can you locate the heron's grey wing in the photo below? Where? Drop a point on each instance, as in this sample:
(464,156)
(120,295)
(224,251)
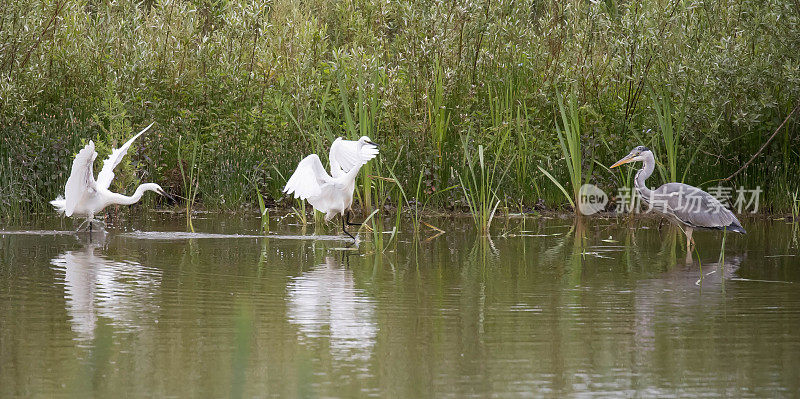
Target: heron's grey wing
(347,154)
(308,179)
(81,179)
(694,206)
(106,174)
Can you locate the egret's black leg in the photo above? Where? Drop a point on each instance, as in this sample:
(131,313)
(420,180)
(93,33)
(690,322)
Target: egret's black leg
(348,220)
(344,228)
(346,259)
(90,226)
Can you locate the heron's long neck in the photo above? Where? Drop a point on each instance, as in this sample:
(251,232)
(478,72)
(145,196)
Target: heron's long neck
(130,200)
(643,174)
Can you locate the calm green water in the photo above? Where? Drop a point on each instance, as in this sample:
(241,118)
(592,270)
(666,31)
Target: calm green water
(557,310)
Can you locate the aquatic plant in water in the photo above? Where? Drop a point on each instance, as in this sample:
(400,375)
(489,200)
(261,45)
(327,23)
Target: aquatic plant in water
(190,178)
(480,181)
(569,139)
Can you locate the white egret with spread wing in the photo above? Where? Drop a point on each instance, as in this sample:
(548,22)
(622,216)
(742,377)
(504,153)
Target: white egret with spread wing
(332,194)
(84,196)
(687,205)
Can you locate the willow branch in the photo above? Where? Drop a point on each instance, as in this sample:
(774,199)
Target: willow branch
(765,144)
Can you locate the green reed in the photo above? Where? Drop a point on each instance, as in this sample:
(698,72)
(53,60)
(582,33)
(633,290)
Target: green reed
(795,209)
(421,203)
(569,139)
(670,128)
(363,120)
(438,114)
(480,181)
(9,193)
(190,178)
(385,190)
(263,210)
(299,212)
(249,89)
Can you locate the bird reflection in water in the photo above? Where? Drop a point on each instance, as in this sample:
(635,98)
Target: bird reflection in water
(98,287)
(324,303)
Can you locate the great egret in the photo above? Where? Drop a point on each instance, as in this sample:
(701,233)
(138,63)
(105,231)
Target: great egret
(332,194)
(682,203)
(84,196)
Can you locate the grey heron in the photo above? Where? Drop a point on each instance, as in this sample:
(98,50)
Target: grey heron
(84,196)
(332,194)
(687,205)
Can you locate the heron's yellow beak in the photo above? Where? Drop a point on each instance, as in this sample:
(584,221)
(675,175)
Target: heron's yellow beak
(628,158)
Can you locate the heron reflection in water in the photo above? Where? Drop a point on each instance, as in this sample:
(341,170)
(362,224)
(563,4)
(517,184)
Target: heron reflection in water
(324,302)
(96,286)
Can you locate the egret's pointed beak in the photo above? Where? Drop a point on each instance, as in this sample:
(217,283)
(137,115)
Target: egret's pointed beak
(164,193)
(147,128)
(628,158)
(373,143)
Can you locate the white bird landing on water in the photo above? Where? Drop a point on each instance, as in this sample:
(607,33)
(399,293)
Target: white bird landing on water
(84,196)
(332,194)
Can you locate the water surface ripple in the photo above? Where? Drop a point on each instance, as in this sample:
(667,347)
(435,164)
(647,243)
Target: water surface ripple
(550,309)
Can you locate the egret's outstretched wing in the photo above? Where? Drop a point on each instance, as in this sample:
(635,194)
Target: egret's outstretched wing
(81,180)
(107,173)
(347,154)
(308,179)
(59,203)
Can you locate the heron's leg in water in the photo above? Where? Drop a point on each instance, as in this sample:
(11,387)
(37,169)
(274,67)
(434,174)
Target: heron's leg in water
(348,219)
(689,239)
(344,228)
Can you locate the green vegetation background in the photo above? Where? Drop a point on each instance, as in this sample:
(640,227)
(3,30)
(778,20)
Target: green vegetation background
(241,90)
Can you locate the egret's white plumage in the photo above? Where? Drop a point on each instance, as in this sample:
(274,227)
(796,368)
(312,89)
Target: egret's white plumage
(348,154)
(332,193)
(84,196)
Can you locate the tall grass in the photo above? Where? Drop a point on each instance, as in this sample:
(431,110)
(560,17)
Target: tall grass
(363,120)
(795,208)
(569,139)
(438,114)
(387,190)
(421,202)
(263,210)
(276,80)
(670,130)
(191,179)
(10,191)
(480,181)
